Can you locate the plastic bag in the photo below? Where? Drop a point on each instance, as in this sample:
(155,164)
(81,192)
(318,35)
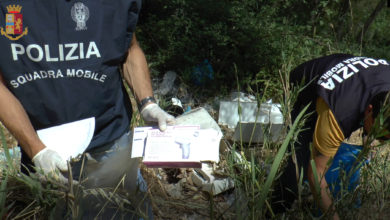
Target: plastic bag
(344,164)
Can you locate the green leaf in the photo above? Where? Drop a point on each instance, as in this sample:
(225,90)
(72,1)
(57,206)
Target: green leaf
(315,174)
(278,159)
(3,196)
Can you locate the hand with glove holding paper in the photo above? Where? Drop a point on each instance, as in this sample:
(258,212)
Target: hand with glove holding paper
(50,163)
(153,113)
(16,120)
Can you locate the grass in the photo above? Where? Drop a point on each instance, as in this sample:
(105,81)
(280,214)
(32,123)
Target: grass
(254,184)
(24,197)
(253,167)
(31,197)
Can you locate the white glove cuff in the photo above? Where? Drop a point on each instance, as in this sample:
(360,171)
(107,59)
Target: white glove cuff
(145,101)
(149,106)
(39,153)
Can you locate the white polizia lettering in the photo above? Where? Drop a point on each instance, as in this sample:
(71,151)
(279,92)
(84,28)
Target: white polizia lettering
(344,70)
(65,52)
(38,55)
(47,52)
(70,55)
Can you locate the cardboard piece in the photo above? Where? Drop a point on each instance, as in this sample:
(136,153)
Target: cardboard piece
(244,131)
(228,113)
(177,147)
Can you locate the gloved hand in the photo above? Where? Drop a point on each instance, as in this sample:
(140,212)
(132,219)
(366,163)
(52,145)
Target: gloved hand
(50,162)
(153,113)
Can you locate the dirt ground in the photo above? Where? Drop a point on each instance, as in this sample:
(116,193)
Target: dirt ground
(181,198)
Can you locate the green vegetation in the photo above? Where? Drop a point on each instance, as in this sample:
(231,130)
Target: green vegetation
(258,36)
(253,168)
(252,45)
(36,197)
(257,42)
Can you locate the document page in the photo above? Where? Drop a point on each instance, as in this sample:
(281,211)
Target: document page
(70,139)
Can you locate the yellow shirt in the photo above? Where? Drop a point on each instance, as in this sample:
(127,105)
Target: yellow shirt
(327,135)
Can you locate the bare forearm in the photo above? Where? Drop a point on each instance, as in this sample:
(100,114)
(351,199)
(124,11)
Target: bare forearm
(136,72)
(321,191)
(14,117)
(323,198)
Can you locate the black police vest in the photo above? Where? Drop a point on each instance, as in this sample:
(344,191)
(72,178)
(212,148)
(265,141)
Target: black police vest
(60,59)
(346,83)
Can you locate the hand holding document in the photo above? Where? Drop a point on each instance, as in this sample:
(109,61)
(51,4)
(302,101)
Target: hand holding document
(69,140)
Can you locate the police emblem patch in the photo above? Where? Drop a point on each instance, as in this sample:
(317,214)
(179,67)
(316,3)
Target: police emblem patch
(14,23)
(80,15)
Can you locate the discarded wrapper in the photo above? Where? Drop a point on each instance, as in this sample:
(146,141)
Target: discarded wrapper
(198,116)
(204,178)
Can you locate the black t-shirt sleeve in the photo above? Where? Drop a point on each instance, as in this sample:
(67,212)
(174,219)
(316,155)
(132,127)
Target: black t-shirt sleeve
(132,19)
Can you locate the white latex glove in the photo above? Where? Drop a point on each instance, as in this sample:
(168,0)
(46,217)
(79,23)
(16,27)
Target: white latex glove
(50,162)
(153,113)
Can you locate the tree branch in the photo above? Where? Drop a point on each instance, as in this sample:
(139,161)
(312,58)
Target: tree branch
(370,19)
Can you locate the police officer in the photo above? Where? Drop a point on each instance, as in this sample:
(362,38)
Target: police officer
(345,93)
(60,63)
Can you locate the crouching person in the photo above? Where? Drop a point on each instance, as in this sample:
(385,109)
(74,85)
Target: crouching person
(345,93)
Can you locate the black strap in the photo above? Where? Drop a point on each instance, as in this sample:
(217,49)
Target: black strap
(145,101)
